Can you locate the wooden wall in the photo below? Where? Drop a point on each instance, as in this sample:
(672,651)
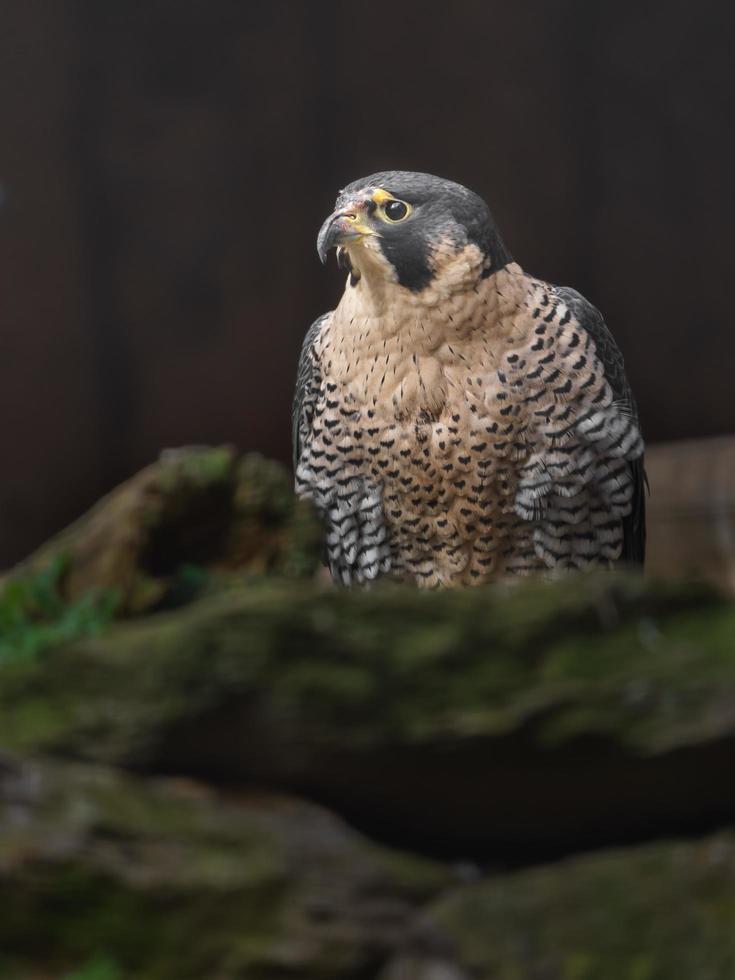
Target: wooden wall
(164,168)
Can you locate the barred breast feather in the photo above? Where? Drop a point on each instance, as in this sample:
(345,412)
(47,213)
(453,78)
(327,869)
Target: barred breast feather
(481,429)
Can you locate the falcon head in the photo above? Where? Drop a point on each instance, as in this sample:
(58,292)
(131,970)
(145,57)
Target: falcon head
(401,226)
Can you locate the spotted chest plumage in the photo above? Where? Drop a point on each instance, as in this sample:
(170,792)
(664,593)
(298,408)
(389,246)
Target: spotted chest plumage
(454,450)
(456,420)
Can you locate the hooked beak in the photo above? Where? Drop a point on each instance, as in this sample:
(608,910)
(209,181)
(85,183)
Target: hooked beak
(342,227)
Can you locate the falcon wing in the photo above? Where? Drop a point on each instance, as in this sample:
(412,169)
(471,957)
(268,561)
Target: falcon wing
(307,385)
(582,488)
(590,319)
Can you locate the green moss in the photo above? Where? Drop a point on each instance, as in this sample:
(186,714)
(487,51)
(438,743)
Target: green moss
(264,489)
(197,521)
(394,666)
(288,534)
(161,933)
(34,616)
(98,968)
(197,469)
(663,911)
(172,882)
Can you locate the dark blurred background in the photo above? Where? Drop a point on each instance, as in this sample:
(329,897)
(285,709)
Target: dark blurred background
(164,168)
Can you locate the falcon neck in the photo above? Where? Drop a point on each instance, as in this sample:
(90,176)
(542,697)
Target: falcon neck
(408,353)
(457,303)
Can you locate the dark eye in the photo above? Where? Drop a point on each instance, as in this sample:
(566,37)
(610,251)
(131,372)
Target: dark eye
(396,210)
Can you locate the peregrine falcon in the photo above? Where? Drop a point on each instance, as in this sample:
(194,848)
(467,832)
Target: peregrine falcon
(457,420)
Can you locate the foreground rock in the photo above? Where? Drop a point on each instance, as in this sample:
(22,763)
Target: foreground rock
(509,723)
(659,912)
(168,881)
(104,875)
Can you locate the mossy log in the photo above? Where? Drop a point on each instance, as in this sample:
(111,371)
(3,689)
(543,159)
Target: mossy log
(169,881)
(510,722)
(501,726)
(664,911)
(195,510)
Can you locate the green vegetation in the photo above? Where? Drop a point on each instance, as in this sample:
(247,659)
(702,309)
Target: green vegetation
(34,616)
(99,968)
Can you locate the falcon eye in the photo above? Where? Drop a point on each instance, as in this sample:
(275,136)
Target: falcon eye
(395,210)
